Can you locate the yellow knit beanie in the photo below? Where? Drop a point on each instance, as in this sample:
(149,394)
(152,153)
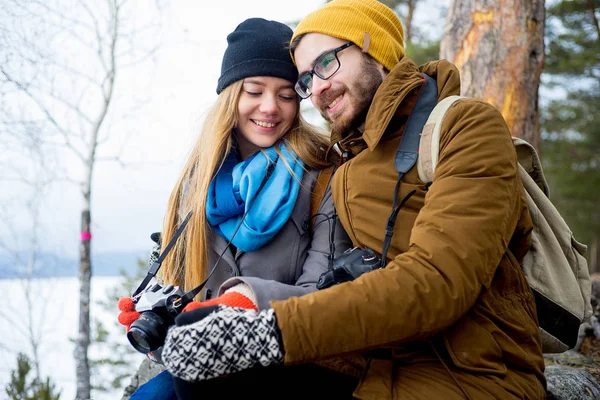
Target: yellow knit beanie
(351,19)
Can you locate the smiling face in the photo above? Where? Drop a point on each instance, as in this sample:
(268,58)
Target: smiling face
(267,108)
(345,97)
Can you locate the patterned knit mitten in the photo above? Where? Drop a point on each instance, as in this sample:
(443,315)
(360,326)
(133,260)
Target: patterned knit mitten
(213,341)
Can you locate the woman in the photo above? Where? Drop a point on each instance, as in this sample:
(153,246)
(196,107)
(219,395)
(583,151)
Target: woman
(248,184)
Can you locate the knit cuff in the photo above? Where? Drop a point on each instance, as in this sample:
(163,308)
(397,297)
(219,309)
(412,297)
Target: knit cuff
(240,296)
(245,290)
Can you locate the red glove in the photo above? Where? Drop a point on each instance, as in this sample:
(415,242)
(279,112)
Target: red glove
(230,298)
(128,314)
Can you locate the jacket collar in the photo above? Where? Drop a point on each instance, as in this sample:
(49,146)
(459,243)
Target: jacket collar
(398,88)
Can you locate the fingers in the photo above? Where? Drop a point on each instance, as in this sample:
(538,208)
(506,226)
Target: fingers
(195,315)
(156,237)
(126,304)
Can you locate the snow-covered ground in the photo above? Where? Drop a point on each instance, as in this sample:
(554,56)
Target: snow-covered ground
(54,319)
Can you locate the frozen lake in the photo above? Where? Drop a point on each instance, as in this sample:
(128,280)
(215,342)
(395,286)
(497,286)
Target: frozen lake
(54,319)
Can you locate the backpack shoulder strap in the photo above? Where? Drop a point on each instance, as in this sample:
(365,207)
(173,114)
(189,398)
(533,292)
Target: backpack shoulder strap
(529,160)
(408,150)
(429,146)
(318,192)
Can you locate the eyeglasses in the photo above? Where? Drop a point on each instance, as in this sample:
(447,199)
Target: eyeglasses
(325,66)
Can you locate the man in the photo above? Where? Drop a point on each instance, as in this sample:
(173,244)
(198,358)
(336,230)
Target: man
(451,315)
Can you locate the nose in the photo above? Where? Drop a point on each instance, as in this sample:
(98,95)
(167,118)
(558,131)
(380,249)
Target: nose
(268,105)
(319,86)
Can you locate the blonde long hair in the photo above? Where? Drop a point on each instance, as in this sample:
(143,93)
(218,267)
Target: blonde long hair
(186,264)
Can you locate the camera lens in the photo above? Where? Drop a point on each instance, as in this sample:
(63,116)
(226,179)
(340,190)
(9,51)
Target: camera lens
(147,333)
(139,340)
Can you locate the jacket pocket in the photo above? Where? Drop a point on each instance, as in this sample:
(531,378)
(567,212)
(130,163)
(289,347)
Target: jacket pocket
(377,381)
(473,348)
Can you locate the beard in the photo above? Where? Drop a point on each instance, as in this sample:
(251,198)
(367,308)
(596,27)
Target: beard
(358,99)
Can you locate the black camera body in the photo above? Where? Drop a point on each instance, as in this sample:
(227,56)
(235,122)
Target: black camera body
(349,266)
(158,306)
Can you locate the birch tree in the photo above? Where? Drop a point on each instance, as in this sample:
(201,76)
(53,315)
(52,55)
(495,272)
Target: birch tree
(58,77)
(498,46)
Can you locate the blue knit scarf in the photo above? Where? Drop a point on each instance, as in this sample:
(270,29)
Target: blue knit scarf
(236,186)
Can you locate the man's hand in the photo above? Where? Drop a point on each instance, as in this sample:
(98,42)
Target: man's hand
(216,340)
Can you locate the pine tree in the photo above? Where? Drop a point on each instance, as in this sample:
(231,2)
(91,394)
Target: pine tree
(571,144)
(119,360)
(498,47)
(19,388)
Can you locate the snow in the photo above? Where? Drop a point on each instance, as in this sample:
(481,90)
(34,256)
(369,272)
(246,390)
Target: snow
(55,320)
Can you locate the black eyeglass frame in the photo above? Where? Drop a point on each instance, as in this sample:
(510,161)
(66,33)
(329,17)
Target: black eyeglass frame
(317,61)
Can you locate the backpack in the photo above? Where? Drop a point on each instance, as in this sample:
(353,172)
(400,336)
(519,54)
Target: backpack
(555,267)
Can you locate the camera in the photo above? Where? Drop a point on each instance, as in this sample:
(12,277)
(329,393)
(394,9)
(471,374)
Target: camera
(158,307)
(349,266)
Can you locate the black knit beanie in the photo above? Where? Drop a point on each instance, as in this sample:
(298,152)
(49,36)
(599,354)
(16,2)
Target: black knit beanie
(257,47)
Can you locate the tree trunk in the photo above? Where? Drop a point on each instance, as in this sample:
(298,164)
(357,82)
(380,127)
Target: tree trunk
(498,45)
(83,338)
(408,23)
(85,264)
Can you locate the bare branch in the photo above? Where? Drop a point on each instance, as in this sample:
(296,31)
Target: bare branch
(99,37)
(148,54)
(61,16)
(74,72)
(41,106)
(71,107)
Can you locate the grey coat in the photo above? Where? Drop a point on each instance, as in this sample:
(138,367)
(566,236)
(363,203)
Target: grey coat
(290,264)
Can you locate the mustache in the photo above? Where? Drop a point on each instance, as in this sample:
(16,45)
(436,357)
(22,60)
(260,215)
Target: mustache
(327,98)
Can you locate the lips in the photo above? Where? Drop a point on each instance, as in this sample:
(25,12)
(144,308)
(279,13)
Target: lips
(264,124)
(334,102)
(328,101)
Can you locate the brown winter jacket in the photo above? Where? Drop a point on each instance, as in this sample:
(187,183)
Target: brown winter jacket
(451,315)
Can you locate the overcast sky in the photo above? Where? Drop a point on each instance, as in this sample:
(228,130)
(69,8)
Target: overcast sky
(128,203)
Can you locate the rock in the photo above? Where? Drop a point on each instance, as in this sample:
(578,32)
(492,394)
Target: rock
(595,278)
(570,358)
(584,330)
(570,377)
(566,383)
(146,371)
(595,327)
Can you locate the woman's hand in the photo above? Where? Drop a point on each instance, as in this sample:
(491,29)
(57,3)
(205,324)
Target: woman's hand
(128,314)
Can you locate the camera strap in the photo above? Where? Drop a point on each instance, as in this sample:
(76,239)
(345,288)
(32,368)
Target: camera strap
(189,296)
(156,264)
(408,151)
